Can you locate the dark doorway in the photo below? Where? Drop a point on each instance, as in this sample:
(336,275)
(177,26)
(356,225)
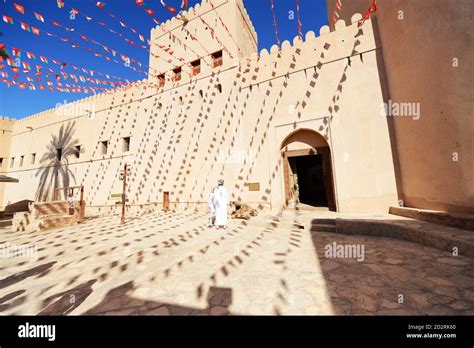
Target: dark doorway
(309,180)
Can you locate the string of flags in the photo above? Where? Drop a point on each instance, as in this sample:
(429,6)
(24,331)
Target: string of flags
(54,80)
(71,89)
(272,5)
(38,16)
(142,37)
(16,52)
(56,85)
(36,31)
(372,9)
(184,5)
(165,49)
(132,43)
(24,26)
(125,58)
(337,10)
(27,67)
(52,75)
(103,25)
(298,18)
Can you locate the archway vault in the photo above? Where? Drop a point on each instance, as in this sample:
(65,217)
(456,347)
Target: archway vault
(307,170)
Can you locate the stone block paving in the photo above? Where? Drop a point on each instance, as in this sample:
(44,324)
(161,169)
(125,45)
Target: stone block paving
(173,264)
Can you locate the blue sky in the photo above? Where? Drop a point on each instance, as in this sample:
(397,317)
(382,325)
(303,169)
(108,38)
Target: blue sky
(18,103)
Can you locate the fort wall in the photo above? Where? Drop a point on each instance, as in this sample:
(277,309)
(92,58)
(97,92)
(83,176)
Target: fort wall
(426,57)
(6,126)
(227,122)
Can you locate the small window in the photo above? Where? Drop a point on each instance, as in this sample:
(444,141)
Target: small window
(176,74)
(33,158)
(219,88)
(126,144)
(201,94)
(217,59)
(104,145)
(161,80)
(59,154)
(12,162)
(1,162)
(196,67)
(21,161)
(77,151)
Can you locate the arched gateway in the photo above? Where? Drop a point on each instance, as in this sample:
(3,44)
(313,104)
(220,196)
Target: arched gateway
(307,170)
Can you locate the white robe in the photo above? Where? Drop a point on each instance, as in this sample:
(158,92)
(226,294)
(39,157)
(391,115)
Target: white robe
(210,202)
(221,200)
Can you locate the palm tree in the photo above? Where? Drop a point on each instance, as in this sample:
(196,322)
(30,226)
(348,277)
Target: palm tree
(55,170)
(3,53)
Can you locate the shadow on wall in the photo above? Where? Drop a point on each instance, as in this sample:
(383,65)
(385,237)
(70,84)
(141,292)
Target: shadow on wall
(54,171)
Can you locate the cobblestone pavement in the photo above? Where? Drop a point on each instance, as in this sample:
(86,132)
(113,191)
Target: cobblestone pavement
(172,264)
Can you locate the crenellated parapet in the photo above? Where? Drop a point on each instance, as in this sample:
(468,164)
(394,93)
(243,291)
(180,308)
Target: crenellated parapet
(6,123)
(85,107)
(314,51)
(191,13)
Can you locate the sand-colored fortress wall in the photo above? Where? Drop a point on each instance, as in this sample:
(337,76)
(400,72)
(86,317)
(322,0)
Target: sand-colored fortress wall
(6,125)
(227,122)
(428,61)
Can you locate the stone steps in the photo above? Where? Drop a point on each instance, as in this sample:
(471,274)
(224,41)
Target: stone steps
(323,228)
(323,225)
(433,235)
(47,215)
(463,221)
(51,208)
(6,222)
(57,221)
(424,233)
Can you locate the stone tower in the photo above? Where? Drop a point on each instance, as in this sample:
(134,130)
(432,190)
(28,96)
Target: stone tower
(209,27)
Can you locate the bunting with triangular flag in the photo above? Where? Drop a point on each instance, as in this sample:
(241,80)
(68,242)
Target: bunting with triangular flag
(39,17)
(7,19)
(19,8)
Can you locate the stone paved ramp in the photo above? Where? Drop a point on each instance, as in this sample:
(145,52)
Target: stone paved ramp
(172,263)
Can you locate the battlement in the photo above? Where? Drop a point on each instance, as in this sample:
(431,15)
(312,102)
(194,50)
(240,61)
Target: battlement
(78,108)
(6,123)
(6,119)
(191,13)
(201,8)
(345,41)
(198,32)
